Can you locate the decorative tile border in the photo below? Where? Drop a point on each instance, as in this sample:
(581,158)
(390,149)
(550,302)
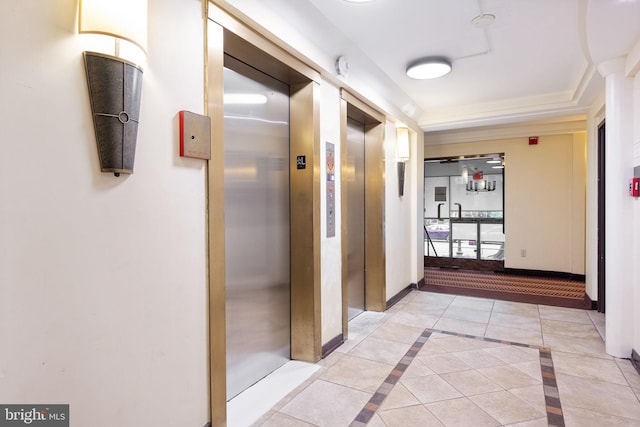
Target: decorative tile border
(383,391)
(555,417)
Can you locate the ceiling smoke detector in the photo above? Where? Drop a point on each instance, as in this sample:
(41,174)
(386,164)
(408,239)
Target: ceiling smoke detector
(484,20)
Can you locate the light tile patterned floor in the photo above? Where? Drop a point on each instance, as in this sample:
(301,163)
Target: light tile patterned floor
(410,366)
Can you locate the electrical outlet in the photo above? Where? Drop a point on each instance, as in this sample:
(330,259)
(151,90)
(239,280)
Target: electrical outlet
(523,253)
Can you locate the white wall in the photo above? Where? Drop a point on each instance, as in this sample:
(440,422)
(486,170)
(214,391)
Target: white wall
(543,198)
(399,228)
(633,63)
(102,279)
(331,248)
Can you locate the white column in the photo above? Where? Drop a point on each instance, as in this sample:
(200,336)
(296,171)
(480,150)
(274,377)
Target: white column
(619,220)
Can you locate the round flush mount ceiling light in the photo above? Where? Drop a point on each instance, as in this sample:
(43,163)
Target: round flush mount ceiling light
(431,67)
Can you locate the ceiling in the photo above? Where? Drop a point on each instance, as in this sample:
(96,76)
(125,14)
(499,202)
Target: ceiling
(537,60)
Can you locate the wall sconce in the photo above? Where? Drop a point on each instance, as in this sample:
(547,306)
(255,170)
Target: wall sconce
(402,136)
(115,85)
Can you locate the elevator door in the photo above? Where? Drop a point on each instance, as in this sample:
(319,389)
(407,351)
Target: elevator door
(257,247)
(354,180)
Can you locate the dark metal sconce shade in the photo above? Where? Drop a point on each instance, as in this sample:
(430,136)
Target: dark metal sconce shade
(401,167)
(115,87)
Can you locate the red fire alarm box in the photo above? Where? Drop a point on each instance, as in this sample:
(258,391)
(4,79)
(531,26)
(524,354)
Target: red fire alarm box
(634,187)
(533,140)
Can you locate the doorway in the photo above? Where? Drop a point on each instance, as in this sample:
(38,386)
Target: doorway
(464,212)
(355,186)
(257,224)
(601,217)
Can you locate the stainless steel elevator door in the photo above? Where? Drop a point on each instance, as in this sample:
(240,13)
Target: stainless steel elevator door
(354,181)
(257,226)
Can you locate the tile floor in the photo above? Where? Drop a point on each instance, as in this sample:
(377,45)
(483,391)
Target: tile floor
(445,360)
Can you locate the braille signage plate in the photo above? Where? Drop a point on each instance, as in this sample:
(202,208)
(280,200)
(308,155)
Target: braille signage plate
(301,162)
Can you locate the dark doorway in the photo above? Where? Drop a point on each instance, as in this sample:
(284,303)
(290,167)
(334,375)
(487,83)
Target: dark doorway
(601,217)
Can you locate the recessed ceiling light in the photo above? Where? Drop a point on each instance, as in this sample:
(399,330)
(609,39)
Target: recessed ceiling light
(429,68)
(494,161)
(498,167)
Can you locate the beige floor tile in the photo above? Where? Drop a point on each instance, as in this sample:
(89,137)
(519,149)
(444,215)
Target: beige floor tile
(327,404)
(598,320)
(478,358)
(417,369)
(506,408)
(432,347)
(590,394)
(571,329)
(532,368)
(366,322)
(629,372)
(453,343)
(533,395)
(564,314)
(355,372)
(516,308)
(461,413)
(397,332)
(376,421)
(508,377)
(443,363)
(416,320)
(282,420)
(512,334)
(399,397)
(514,354)
(540,422)
(515,321)
(584,366)
(482,304)
(461,326)
(425,309)
(590,346)
(470,383)
(466,313)
(580,417)
(380,350)
(430,389)
(637,392)
(351,342)
(330,359)
(412,416)
(433,298)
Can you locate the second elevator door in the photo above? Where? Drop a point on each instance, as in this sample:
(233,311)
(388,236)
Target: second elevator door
(354,181)
(257,225)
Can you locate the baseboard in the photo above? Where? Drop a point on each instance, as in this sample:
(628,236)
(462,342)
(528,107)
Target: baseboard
(544,273)
(403,293)
(588,302)
(331,345)
(421,283)
(635,360)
